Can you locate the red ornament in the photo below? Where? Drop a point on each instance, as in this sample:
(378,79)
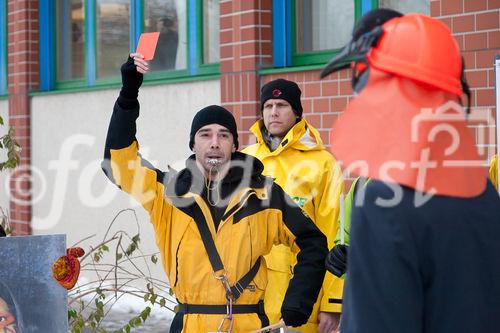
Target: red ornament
(66,269)
(276,93)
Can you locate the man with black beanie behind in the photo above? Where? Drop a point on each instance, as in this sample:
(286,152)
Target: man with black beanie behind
(214,220)
(293,154)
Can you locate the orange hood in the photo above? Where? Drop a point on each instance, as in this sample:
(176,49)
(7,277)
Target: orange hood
(402,131)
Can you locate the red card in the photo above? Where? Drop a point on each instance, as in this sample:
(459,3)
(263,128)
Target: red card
(147,44)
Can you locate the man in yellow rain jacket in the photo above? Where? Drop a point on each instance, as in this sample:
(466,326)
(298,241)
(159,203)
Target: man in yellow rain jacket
(293,154)
(214,220)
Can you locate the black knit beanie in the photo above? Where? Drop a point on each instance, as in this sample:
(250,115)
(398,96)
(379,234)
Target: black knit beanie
(213,114)
(282,89)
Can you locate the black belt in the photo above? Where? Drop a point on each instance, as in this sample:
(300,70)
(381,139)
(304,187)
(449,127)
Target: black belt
(221,309)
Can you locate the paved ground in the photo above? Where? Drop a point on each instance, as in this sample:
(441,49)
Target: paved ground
(154,324)
(128,307)
(117,319)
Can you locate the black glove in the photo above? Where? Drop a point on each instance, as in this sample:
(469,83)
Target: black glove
(131,80)
(336,260)
(294,318)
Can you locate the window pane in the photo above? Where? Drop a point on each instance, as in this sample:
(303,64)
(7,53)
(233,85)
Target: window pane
(70,40)
(112,35)
(169,18)
(211,53)
(407,6)
(323,24)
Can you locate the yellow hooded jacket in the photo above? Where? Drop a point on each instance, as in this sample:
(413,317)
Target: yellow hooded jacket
(312,177)
(494,171)
(258,215)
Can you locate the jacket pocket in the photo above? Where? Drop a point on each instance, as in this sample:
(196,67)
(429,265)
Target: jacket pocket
(280,259)
(174,268)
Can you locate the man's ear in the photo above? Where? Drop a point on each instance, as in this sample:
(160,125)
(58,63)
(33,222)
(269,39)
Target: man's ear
(233,149)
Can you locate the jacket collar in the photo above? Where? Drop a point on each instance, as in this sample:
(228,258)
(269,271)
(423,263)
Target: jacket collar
(191,179)
(302,136)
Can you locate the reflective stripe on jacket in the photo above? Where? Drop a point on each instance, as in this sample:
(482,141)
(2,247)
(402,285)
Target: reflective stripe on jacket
(312,177)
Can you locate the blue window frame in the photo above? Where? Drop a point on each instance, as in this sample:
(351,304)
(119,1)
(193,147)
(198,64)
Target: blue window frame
(53,75)
(3,47)
(285,48)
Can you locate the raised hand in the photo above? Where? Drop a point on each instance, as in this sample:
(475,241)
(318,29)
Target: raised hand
(132,75)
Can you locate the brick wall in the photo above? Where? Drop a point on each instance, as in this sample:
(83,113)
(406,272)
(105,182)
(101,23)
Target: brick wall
(246,47)
(23,69)
(476,27)
(322,100)
(474,23)
(246,31)
(245,37)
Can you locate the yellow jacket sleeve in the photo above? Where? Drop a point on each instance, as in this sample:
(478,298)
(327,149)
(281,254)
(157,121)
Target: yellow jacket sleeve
(327,208)
(298,231)
(124,166)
